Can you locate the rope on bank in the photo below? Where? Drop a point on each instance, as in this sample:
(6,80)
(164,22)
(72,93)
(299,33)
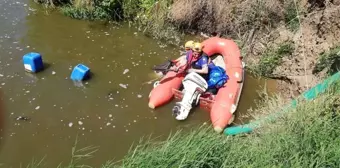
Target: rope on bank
(303,43)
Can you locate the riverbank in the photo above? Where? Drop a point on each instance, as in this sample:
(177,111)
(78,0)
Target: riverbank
(286,41)
(305,136)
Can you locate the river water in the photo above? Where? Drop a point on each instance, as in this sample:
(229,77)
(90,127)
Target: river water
(100,111)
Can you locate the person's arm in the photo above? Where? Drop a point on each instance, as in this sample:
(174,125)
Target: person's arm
(179,58)
(182,62)
(204,64)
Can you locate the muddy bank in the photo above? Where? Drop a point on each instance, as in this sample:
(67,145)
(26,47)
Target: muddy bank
(317,37)
(298,45)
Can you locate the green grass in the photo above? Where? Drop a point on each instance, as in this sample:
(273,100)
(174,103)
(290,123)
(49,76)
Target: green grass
(271,58)
(291,16)
(328,60)
(77,156)
(305,137)
(93,9)
(153,20)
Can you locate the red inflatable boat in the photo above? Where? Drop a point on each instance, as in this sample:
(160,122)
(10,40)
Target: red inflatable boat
(221,106)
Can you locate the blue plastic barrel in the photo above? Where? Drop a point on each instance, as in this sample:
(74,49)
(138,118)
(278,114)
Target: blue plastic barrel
(80,72)
(33,62)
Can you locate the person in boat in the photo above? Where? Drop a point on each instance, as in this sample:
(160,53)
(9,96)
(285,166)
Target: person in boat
(202,64)
(199,61)
(183,59)
(195,60)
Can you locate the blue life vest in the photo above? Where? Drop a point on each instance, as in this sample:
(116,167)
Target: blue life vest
(217,77)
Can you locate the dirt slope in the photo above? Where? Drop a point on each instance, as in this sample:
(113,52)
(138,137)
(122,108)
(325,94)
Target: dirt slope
(319,31)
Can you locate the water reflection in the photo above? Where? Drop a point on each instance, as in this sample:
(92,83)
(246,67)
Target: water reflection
(30,78)
(79,84)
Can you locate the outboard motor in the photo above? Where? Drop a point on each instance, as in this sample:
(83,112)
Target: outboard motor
(194,86)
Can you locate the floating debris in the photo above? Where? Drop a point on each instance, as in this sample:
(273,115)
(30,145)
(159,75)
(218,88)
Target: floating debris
(139,96)
(125,71)
(80,122)
(22,118)
(53,73)
(37,108)
(123,86)
(70,124)
(107,124)
(110,115)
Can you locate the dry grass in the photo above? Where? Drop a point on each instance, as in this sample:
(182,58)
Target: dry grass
(227,16)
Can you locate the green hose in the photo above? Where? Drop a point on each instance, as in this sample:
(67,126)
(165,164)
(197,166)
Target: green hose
(308,95)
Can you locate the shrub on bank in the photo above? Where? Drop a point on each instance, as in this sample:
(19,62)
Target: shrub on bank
(93,9)
(163,19)
(329,60)
(271,58)
(306,136)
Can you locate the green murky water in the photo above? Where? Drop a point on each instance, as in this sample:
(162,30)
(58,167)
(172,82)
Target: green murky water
(101,112)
